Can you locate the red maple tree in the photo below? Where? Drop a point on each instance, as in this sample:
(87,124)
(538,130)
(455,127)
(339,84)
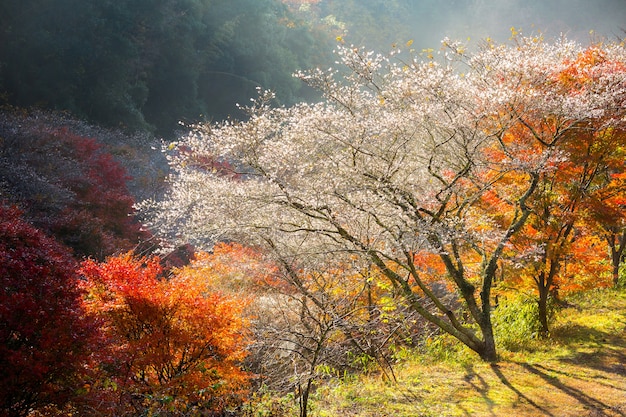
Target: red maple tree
(43,333)
(169,343)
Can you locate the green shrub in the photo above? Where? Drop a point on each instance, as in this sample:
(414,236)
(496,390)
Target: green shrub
(516,321)
(268,404)
(445,348)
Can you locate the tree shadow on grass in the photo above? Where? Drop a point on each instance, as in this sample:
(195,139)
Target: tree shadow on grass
(478,383)
(496,370)
(590,403)
(603,351)
(590,349)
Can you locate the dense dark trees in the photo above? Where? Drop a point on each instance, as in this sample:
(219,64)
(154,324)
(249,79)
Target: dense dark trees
(150,63)
(43,331)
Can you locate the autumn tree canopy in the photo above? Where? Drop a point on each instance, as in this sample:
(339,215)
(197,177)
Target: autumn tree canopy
(44,335)
(69,185)
(169,344)
(575,115)
(445,157)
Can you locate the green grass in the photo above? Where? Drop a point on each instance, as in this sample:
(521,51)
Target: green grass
(579,372)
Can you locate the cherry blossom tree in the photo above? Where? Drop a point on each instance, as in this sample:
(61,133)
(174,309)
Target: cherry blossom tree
(403,161)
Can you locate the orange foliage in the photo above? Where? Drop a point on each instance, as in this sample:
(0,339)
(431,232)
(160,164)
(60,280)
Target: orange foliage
(429,263)
(586,267)
(233,267)
(581,188)
(586,69)
(168,343)
(430,269)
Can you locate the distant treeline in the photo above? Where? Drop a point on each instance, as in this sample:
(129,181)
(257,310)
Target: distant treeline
(147,64)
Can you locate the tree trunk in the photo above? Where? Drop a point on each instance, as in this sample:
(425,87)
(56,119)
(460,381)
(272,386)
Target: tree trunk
(543,311)
(616,264)
(488,352)
(304,398)
(617,243)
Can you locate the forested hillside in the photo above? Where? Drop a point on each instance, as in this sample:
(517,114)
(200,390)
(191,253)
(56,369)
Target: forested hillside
(150,63)
(264,208)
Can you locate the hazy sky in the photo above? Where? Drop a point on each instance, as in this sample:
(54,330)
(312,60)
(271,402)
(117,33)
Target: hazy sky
(575,18)
(479,19)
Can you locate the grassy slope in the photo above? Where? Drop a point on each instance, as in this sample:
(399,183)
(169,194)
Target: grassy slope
(580,372)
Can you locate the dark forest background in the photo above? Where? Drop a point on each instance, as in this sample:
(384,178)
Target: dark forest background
(148,64)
